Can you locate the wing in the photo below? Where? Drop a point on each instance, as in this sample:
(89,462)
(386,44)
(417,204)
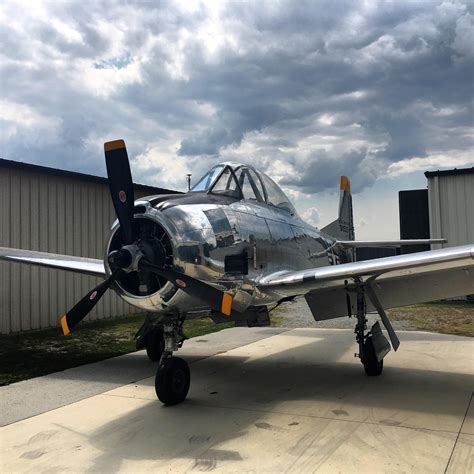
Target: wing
(398,281)
(88,266)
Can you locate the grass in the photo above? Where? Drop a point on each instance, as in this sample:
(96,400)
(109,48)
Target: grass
(38,353)
(447,317)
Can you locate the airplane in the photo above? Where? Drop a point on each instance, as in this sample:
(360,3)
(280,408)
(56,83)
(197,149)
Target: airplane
(234,247)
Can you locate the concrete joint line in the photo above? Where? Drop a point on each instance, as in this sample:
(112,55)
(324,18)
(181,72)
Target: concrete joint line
(459,432)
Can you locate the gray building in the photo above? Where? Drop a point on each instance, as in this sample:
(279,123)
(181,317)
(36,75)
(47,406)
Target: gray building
(444,210)
(59,212)
(451,205)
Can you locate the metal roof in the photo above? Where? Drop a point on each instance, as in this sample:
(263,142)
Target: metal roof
(452,172)
(75,175)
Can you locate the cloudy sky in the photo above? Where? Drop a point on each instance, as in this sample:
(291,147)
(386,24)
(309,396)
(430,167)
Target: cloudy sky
(307,91)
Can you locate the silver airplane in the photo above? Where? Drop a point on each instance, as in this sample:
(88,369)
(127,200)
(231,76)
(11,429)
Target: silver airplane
(232,247)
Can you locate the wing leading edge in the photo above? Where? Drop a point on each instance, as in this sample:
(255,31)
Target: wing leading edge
(88,266)
(398,281)
(387,243)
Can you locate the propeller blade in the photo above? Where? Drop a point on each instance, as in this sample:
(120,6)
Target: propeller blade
(74,316)
(121,186)
(214,298)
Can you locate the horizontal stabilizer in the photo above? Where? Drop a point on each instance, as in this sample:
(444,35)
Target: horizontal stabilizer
(387,243)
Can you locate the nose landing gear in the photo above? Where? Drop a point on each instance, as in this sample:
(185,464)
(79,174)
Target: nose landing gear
(173,376)
(172,381)
(155,344)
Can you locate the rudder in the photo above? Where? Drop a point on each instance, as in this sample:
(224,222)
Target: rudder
(343,227)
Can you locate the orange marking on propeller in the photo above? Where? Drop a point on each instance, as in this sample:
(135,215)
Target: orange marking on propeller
(115,145)
(226,304)
(64,326)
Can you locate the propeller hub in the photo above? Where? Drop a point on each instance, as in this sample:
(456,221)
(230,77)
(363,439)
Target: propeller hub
(153,244)
(126,258)
(119,259)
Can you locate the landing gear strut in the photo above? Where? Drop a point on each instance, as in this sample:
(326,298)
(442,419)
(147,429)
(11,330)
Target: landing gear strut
(371,359)
(172,377)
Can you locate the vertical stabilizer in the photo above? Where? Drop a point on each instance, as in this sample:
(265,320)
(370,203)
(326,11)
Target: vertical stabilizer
(343,227)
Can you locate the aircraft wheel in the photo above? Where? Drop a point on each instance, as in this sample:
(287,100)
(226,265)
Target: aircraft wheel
(155,344)
(172,381)
(371,365)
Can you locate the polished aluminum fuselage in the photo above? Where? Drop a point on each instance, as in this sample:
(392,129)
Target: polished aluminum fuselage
(203,232)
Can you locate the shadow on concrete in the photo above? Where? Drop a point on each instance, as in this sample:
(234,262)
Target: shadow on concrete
(231,395)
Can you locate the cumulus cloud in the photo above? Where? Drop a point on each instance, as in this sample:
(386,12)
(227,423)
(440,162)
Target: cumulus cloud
(305,90)
(311,215)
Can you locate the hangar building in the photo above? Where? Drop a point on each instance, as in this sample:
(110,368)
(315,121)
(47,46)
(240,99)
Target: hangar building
(451,205)
(59,212)
(444,210)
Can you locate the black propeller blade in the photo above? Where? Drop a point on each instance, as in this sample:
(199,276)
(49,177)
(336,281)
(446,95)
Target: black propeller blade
(74,316)
(121,190)
(214,298)
(121,186)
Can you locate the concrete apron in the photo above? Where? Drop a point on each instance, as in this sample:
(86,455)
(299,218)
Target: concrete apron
(297,401)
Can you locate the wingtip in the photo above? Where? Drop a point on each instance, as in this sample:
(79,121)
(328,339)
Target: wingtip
(345,184)
(114,145)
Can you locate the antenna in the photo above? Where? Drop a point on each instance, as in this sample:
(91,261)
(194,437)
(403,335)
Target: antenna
(189,181)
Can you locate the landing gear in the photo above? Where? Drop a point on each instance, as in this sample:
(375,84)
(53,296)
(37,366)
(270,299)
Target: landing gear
(172,377)
(172,381)
(373,346)
(371,364)
(155,344)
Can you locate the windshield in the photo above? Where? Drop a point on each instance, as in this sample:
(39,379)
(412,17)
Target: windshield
(206,181)
(250,184)
(226,184)
(275,196)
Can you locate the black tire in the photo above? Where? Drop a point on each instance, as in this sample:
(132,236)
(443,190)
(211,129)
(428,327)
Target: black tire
(371,365)
(155,345)
(172,381)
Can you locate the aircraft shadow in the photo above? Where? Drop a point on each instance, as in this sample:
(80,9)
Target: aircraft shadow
(311,376)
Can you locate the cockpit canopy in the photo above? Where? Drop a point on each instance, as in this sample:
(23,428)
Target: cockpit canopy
(243,182)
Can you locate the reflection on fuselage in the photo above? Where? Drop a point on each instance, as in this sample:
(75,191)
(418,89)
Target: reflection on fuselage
(228,240)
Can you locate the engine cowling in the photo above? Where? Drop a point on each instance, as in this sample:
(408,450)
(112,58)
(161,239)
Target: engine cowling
(145,290)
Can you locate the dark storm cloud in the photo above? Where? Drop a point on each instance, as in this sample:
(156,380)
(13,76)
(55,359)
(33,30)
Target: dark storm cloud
(329,87)
(321,171)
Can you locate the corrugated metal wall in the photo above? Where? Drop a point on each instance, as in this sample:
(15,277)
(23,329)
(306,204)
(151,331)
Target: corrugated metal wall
(451,204)
(57,214)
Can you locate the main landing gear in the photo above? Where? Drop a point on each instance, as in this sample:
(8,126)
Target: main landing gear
(373,346)
(172,377)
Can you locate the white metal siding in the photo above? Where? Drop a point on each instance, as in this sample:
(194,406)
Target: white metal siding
(451,208)
(54,214)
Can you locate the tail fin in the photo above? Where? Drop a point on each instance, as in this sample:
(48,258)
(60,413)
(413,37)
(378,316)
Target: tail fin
(343,227)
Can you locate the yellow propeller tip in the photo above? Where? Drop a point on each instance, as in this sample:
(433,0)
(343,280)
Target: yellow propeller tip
(64,326)
(114,145)
(226,307)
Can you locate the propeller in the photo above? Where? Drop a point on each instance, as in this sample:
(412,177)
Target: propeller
(215,298)
(75,315)
(121,186)
(121,191)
